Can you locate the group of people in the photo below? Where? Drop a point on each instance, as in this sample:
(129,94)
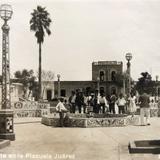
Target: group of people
(98,103)
(110,104)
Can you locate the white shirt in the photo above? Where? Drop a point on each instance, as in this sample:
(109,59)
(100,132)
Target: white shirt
(102,100)
(73,99)
(60,107)
(121,102)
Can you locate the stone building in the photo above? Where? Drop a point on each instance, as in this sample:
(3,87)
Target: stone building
(107,72)
(105,78)
(67,86)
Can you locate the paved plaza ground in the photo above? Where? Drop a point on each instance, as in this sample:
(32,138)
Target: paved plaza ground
(110,143)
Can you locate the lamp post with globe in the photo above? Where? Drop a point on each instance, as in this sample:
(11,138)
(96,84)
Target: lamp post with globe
(6,114)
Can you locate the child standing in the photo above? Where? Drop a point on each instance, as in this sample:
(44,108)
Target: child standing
(61,109)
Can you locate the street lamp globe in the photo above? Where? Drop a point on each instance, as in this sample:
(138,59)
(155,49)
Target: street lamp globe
(128,56)
(6,12)
(58,76)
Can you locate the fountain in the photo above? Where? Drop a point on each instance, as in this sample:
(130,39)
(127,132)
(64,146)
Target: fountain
(145,146)
(91,120)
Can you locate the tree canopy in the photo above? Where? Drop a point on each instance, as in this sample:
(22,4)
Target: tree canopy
(40,23)
(27,78)
(145,84)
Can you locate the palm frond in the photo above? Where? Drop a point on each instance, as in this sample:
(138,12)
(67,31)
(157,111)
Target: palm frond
(40,23)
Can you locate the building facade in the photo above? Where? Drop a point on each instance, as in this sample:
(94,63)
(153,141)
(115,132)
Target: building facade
(48,90)
(66,87)
(105,78)
(107,74)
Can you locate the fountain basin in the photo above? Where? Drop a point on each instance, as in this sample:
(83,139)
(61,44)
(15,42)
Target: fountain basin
(86,121)
(145,146)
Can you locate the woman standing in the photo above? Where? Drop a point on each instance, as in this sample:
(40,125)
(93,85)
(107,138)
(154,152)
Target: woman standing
(132,104)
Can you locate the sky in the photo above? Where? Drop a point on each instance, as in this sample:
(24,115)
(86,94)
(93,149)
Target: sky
(84,31)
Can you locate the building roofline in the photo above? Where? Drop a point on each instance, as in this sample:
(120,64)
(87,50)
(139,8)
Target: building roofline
(107,63)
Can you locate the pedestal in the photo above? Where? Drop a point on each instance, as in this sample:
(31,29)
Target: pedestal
(6,125)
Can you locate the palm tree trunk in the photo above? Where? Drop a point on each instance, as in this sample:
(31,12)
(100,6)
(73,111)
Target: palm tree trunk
(40,71)
(43,91)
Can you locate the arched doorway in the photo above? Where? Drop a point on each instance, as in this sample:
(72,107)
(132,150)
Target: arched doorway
(101,90)
(113,90)
(49,94)
(113,75)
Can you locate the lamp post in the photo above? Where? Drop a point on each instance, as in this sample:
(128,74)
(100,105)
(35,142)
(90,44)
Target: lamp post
(128,58)
(6,114)
(157,87)
(59,85)
(98,80)
(124,83)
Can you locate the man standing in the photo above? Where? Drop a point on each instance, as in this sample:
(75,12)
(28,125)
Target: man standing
(121,102)
(102,103)
(112,104)
(79,101)
(144,108)
(72,101)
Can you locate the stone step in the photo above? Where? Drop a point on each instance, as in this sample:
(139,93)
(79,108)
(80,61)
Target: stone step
(4,143)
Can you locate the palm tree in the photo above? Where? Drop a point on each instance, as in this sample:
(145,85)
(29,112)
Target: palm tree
(40,23)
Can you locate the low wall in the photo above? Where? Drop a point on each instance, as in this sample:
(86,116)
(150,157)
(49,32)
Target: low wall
(52,120)
(30,109)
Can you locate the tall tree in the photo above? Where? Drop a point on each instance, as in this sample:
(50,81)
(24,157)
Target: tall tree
(40,23)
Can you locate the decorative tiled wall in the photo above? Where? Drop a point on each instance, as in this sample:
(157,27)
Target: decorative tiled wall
(30,109)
